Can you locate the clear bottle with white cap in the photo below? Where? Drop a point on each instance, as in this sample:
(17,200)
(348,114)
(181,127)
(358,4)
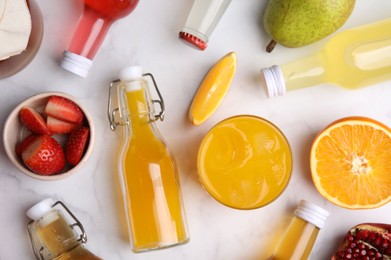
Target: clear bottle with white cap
(53,237)
(202,20)
(148,173)
(301,234)
(352,59)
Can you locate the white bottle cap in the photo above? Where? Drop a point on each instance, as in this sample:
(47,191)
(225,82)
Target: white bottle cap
(40,209)
(312,213)
(274,81)
(76,63)
(129,74)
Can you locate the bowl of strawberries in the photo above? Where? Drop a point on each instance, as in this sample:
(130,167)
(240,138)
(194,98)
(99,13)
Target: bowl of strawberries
(49,136)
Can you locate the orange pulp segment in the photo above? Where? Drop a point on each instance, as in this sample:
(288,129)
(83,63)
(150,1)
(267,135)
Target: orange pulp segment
(350,163)
(213,89)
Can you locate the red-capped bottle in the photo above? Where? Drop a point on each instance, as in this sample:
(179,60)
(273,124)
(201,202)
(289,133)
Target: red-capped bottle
(91,30)
(202,20)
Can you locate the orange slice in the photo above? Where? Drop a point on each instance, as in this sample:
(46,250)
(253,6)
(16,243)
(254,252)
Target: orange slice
(213,89)
(351,163)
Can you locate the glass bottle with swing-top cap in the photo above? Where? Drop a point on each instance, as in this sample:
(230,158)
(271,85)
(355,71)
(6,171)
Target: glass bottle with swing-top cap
(148,173)
(53,237)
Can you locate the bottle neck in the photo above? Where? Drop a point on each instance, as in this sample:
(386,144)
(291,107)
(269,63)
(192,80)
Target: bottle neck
(56,234)
(306,72)
(89,34)
(138,105)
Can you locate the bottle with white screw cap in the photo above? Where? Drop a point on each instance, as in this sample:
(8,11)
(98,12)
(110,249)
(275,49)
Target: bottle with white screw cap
(52,236)
(351,59)
(301,234)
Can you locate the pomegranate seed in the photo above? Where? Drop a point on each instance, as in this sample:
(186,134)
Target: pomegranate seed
(372,236)
(377,241)
(385,244)
(362,234)
(363,252)
(350,238)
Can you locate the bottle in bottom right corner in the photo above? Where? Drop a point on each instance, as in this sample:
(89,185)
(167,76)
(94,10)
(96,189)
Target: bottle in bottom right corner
(352,59)
(300,236)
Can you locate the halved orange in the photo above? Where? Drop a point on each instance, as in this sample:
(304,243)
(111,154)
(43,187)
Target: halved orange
(351,163)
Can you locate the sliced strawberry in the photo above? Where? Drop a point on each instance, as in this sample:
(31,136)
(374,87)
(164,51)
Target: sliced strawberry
(20,147)
(75,144)
(33,121)
(64,109)
(57,126)
(44,155)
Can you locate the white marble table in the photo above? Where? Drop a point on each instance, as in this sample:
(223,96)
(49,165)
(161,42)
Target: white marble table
(149,37)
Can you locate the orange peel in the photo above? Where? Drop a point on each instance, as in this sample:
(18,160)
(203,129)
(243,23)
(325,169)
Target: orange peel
(212,89)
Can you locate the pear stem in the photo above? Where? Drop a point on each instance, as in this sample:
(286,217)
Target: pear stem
(271,45)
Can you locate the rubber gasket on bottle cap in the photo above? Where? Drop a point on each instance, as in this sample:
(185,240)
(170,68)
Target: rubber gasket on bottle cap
(197,42)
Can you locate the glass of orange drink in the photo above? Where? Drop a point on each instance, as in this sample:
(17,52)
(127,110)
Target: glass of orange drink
(244,162)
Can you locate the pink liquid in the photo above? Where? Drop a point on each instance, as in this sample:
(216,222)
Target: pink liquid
(96,20)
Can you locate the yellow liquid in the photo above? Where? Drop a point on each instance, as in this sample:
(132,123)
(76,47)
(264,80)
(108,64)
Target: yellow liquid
(297,242)
(78,253)
(56,234)
(59,239)
(153,196)
(352,59)
(244,162)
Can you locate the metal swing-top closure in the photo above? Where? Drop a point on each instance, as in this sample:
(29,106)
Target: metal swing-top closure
(112,112)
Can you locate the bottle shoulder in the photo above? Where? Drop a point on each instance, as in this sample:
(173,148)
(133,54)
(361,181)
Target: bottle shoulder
(78,253)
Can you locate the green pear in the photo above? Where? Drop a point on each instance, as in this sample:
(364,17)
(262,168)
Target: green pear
(296,23)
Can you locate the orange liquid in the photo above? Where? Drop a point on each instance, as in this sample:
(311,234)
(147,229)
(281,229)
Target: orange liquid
(244,162)
(96,20)
(153,196)
(60,240)
(297,241)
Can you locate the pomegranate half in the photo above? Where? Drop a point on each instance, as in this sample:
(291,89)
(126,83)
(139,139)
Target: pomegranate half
(366,241)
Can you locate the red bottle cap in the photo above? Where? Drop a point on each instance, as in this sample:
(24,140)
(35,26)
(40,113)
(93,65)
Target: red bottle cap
(193,40)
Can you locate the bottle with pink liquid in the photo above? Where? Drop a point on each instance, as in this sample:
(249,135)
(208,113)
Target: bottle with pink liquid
(91,30)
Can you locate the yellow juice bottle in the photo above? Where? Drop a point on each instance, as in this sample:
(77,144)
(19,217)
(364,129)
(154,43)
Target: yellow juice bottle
(352,59)
(301,234)
(52,237)
(244,162)
(149,174)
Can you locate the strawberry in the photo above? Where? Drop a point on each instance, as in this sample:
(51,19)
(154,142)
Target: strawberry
(44,155)
(57,126)
(75,144)
(33,121)
(20,147)
(64,109)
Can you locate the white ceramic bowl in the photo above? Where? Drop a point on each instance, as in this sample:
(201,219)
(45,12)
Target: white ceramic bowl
(14,132)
